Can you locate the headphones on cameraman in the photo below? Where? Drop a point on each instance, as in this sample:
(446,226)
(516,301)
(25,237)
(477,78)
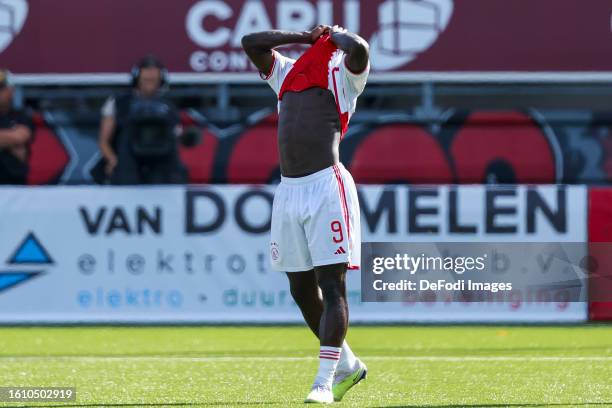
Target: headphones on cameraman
(150,61)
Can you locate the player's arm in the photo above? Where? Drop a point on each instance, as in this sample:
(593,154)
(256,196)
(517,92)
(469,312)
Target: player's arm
(107,129)
(15,136)
(356,48)
(258,46)
(107,133)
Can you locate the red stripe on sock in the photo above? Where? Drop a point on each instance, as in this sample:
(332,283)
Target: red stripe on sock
(329,355)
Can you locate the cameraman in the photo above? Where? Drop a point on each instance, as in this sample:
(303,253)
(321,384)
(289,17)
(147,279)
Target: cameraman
(138,132)
(16,130)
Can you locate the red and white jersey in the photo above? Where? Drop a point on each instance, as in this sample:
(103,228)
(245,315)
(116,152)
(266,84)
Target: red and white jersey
(345,85)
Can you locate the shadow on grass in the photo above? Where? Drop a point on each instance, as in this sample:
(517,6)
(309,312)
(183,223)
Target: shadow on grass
(152,405)
(581,404)
(238,403)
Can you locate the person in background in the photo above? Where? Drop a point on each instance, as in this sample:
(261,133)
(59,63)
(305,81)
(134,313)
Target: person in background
(139,130)
(16,132)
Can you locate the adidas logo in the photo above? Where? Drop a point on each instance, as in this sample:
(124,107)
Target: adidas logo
(340,251)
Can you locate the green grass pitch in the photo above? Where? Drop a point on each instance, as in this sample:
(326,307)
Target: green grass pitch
(461,366)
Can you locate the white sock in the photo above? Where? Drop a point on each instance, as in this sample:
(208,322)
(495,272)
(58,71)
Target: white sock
(348,361)
(328,361)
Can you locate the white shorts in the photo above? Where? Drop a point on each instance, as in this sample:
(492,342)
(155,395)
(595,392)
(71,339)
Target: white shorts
(315,221)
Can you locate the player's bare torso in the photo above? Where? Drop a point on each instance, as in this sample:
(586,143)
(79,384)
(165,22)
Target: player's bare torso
(308,132)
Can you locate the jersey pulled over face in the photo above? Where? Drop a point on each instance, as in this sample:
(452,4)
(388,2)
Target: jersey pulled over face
(317,97)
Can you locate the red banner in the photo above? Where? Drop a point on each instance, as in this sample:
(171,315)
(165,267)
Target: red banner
(600,260)
(407,37)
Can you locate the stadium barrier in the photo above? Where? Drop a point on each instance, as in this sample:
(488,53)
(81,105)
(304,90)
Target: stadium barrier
(530,147)
(199,254)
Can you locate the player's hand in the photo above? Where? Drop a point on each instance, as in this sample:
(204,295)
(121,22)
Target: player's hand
(111,163)
(318,31)
(21,134)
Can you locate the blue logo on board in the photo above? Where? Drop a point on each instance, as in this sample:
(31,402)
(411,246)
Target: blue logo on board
(30,253)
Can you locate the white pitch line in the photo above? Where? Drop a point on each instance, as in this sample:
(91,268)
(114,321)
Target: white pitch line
(220,359)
